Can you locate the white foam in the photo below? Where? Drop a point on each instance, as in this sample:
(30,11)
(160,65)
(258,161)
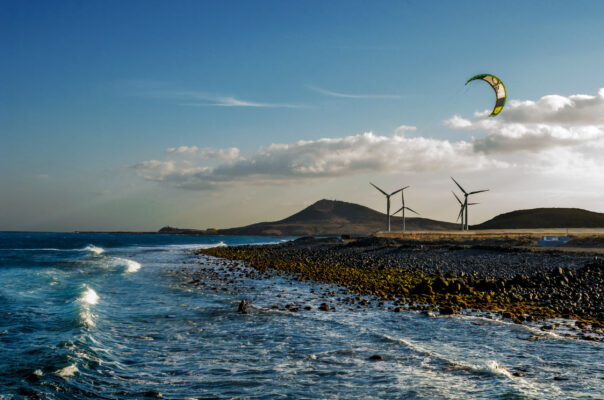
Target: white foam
(89,296)
(68,371)
(38,372)
(87,318)
(131,265)
(197,246)
(498,369)
(94,249)
(410,345)
(534,329)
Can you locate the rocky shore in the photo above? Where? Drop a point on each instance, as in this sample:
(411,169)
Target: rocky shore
(519,284)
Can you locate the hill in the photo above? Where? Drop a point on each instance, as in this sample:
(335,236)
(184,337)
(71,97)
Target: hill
(325,217)
(545,218)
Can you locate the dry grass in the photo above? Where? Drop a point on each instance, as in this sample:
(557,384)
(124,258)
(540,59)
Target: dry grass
(493,233)
(582,239)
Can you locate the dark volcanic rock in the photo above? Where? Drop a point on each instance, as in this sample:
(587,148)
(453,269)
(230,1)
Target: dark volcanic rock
(446,311)
(243,306)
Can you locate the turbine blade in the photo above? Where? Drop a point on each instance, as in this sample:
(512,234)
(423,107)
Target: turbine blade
(460,214)
(396,191)
(478,191)
(407,208)
(399,210)
(460,202)
(471,204)
(384,193)
(459,186)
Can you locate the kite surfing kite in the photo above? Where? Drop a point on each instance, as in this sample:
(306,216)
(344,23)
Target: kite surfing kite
(497,86)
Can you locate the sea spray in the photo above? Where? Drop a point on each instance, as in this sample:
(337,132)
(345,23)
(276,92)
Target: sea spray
(94,249)
(89,296)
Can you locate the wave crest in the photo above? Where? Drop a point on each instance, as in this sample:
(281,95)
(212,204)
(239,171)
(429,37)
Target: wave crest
(89,296)
(94,249)
(131,265)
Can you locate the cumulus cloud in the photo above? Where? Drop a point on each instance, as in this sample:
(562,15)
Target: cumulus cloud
(554,133)
(324,158)
(457,122)
(533,126)
(230,153)
(404,128)
(579,109)
(181,150)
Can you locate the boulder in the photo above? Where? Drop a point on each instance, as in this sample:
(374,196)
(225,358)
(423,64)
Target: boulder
(243,306)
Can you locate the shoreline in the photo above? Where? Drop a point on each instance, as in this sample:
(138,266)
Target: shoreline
(518,284)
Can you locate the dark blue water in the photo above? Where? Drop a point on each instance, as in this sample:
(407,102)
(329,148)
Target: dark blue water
(110,316)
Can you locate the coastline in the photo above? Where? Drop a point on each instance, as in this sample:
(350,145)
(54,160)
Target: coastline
(438,276)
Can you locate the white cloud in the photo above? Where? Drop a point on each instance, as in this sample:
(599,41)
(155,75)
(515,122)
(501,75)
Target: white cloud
(182,150)
(553,136)
(324,158)
(230,153)
(228,101)
(205,99)
(576,110)
(457,122)
(533,126)
(353,96)
(404,128)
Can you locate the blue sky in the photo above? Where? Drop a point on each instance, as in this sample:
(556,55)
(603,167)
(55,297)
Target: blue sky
(92,90)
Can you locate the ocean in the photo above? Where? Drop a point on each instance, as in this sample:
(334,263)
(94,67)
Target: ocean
(112,316)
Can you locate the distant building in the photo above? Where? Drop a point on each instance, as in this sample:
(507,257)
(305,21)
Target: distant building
(549,241)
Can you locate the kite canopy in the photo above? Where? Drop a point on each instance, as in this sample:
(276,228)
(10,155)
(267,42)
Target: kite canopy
(497,86)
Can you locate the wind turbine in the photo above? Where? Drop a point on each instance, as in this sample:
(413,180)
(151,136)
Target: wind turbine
(466,194)
(387,203)
(403,208)
(463,206)
(460,211)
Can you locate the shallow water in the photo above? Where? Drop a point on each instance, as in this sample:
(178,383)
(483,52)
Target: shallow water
(108,316)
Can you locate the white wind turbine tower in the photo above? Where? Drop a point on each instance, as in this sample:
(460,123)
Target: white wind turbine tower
(466,194)
(403,208)
(387,203)
(463,206)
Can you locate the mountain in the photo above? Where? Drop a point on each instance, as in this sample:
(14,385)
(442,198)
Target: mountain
(545,218)
(325,217)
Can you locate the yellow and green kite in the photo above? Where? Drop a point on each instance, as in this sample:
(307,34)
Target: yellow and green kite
(497,86)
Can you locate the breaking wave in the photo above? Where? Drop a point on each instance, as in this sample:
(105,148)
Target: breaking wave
(130,265)
(94,249)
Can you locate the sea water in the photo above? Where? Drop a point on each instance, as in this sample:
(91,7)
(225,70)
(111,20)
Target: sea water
(112,316)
